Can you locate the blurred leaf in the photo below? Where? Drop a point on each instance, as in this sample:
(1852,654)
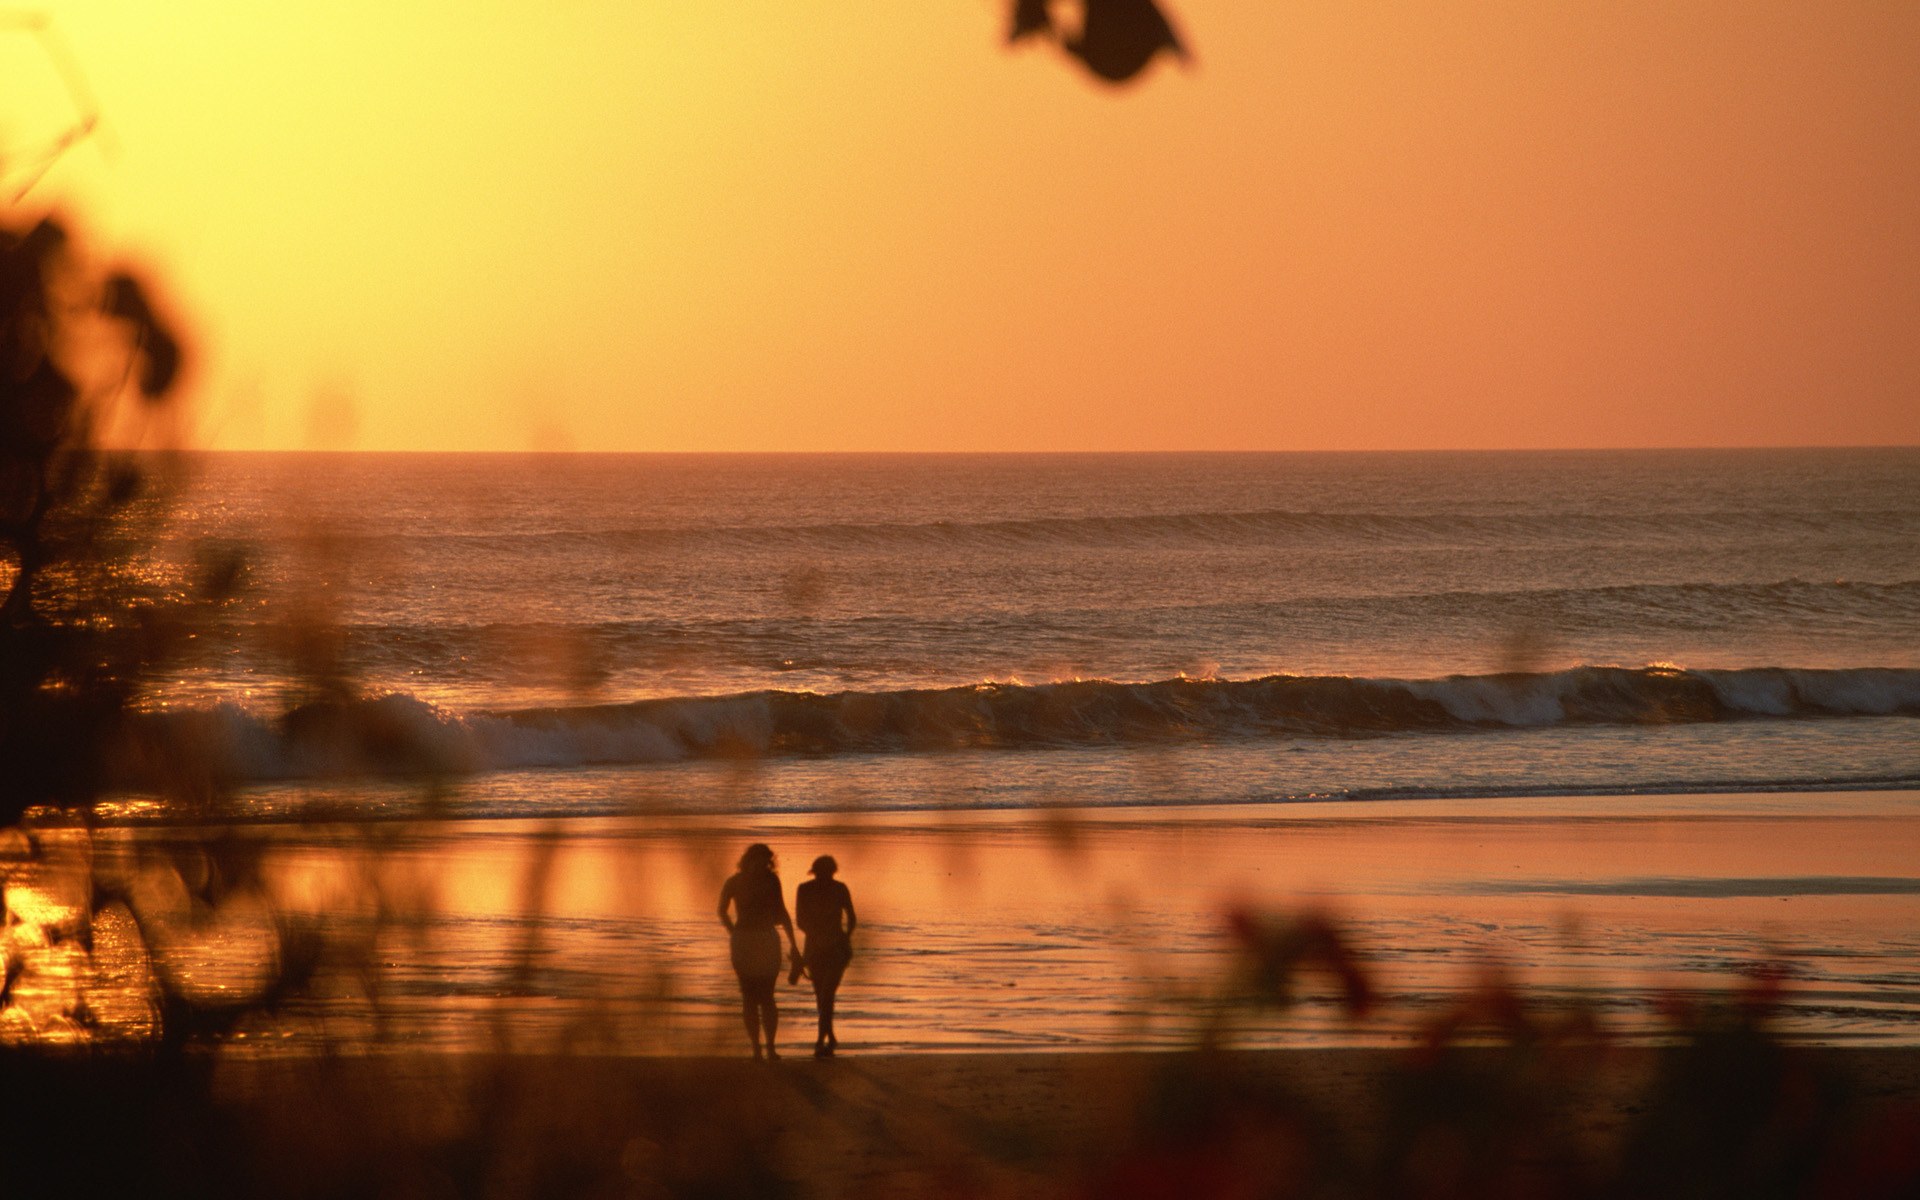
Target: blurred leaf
(1029,17)
(1120,37)
(1115,39)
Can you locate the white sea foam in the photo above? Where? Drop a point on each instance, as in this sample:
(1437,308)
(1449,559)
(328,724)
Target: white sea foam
(400,735)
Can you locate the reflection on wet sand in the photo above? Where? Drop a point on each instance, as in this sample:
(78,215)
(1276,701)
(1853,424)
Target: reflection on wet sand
(995,930)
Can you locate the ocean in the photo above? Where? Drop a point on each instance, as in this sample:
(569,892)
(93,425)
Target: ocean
(947,631)
(1625,727)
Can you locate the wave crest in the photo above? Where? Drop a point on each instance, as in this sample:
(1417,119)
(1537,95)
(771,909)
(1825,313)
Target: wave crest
(400,735)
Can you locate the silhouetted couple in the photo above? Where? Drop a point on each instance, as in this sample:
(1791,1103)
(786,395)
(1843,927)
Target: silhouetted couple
(759,913)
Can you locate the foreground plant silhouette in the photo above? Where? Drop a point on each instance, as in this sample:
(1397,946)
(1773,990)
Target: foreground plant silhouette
(1113,39)
(1501,1097)
(76,631)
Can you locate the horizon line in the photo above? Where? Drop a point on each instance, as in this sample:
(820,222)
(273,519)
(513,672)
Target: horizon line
(763,453)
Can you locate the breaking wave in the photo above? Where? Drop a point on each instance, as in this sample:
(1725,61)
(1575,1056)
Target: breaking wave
(398,734)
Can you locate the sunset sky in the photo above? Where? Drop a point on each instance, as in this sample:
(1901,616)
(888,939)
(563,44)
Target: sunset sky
(867,225)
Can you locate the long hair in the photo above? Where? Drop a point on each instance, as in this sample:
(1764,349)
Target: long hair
(759,855)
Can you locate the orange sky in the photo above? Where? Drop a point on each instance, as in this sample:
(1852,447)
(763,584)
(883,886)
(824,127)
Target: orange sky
(796,225)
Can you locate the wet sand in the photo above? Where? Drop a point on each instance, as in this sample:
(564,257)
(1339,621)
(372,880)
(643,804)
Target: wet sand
(1100,930)
(1093,931)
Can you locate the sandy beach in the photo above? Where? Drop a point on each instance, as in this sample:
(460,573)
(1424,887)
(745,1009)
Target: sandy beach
(1086,931)
(1328,1122)
(1624,995)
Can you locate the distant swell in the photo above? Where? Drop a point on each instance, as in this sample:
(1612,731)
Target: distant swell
(397,734)
(1265,526)
(913,647)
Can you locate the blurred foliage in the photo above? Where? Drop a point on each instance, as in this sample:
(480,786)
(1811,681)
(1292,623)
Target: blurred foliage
(1112,39)
(78,627)
(1498,1100)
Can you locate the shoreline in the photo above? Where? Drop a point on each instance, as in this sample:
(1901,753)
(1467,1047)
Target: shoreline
(1201,812)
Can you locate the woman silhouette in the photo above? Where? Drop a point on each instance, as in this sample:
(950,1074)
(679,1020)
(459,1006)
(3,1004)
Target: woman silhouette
(759,906)
(820,903)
